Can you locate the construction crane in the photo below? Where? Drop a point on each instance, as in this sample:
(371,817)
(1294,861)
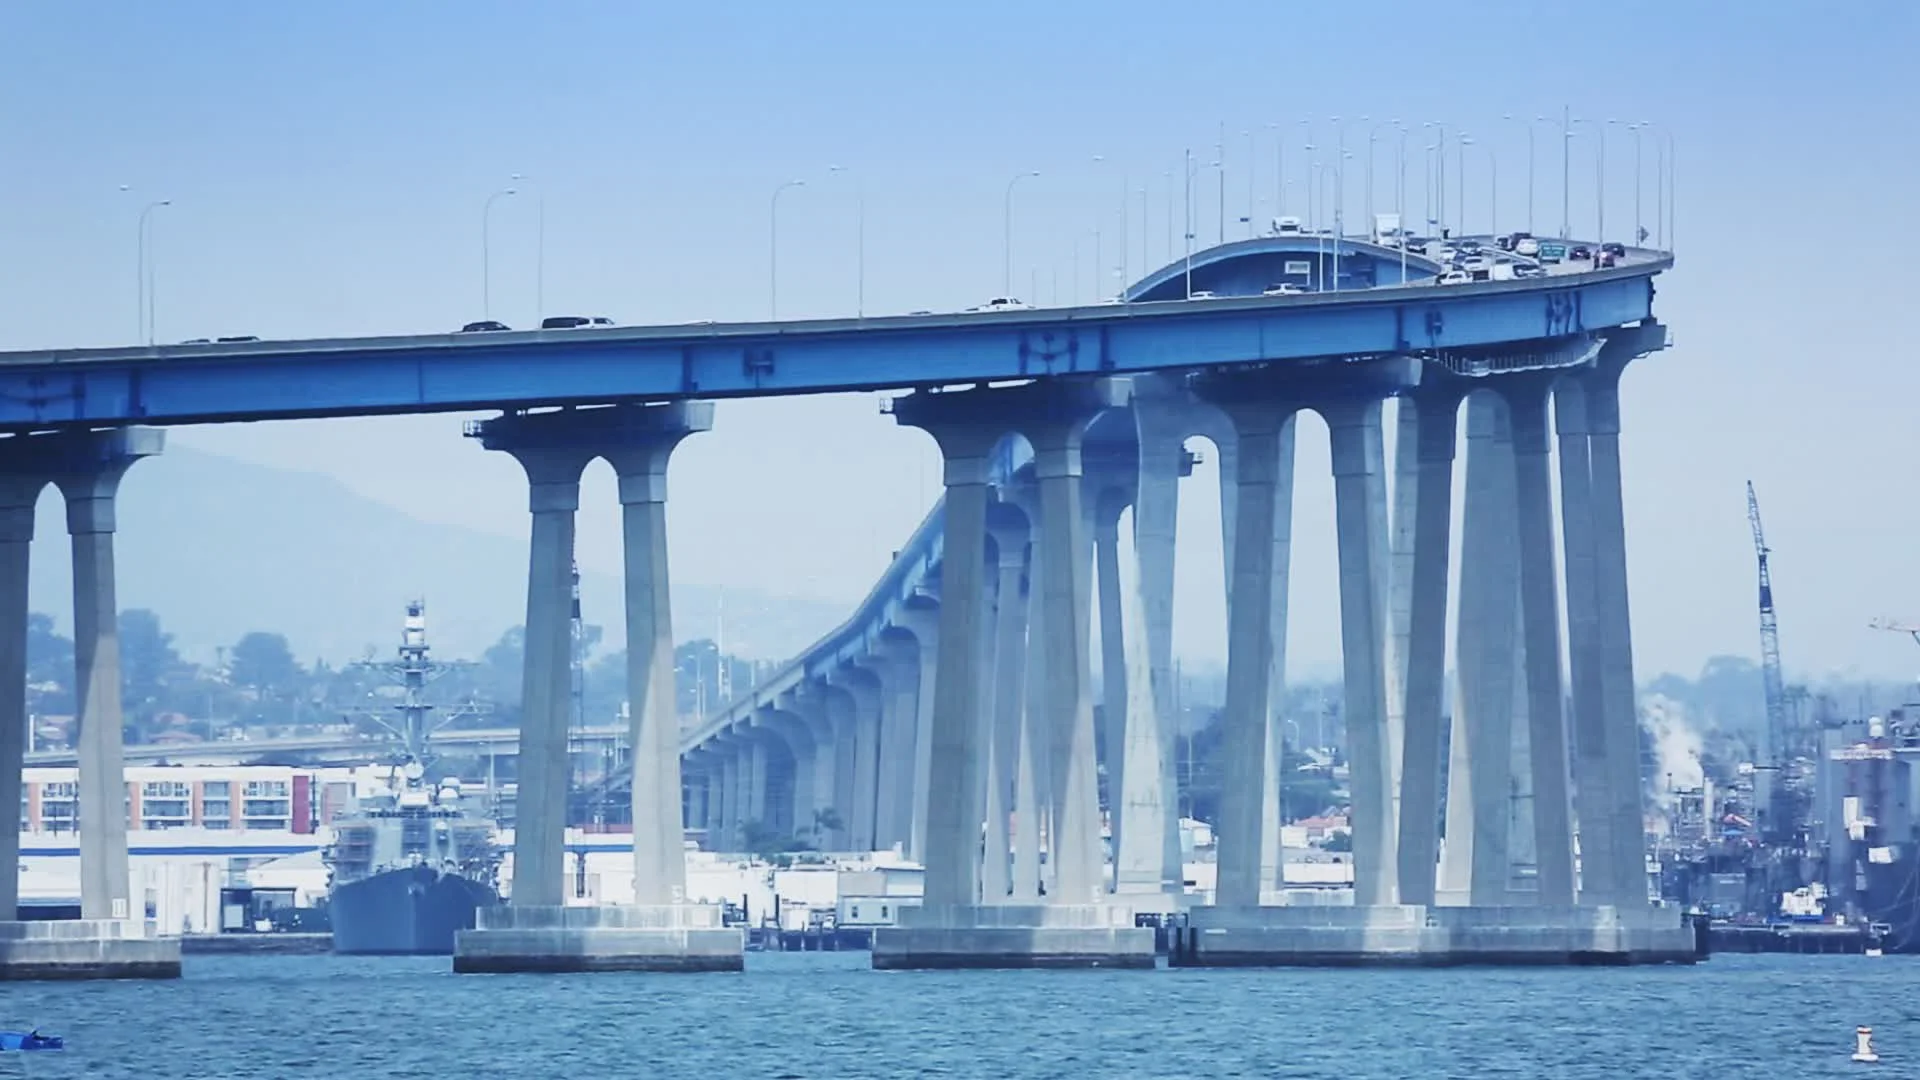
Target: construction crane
(1769,641)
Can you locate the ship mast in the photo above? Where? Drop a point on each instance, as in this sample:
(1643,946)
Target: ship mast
(413,669)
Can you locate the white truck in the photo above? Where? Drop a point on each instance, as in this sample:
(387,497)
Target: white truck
(1386,229)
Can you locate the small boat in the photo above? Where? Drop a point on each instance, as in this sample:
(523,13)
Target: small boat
(30,1040)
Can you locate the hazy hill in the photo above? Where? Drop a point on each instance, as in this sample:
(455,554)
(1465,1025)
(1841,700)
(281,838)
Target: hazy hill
(219,547)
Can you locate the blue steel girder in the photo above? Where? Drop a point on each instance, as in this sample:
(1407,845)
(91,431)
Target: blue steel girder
(267,380)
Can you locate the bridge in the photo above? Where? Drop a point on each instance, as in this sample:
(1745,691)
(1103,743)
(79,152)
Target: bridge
(957,703)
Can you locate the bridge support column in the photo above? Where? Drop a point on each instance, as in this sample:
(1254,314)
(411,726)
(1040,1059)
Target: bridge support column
(1598,859)
(1540,622)
(1237,930)
(757,782)
(1003,696)
(1477,865)
(1226,444)
(18,494)
(660,930)
(893,747)
(953,928)
(1601,390)
(1258,422)
(1032,803)
(112,938)
(1162,421)
(925,624)
(1430,418)
(858,748)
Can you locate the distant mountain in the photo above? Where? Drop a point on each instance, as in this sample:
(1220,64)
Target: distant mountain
(218,547)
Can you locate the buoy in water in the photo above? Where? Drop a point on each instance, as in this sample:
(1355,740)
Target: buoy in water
(1863,1045)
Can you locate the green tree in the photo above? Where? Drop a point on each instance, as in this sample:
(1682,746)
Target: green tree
(149,665)
(501,668)
(263,662)
(49,667)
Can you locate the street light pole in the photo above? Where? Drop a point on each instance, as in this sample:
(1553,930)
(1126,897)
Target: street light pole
(1187,220)
(1599,175)
(1008,283)
(1493,175)
(1529,128)
(859,240)
(773,249)
(1637,229)
(486,250)
(1566,164)
(144,271)
(1372,133)
(1253,173)
(539,248)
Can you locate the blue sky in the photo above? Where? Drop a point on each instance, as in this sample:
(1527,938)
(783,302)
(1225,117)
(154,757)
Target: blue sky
(328,165)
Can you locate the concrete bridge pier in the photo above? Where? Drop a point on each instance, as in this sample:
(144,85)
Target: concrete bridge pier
(1238,929)
(900,671)
(1600,389)
(1476,865)
(1164,415)
(1527,399)
(1032,801)
(1423,501)
(1215,425)
(857,739)
(112,939)
(1007,679)
(660,931)
(954,927)
(923,621)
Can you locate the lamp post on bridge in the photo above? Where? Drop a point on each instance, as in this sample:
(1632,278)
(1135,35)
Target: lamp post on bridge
(1373,132)
(1662,183)
(1529,127)
(539,248)
(1439,175)
(859,239)
(1599,172)
(144,270)
(1566,160)
(486,250)
(1007,283)
(773,249)
(1638,230)
(1340,172)
(1493,175)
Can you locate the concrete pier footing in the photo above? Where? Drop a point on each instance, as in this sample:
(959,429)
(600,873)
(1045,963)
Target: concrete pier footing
(1014,936)
(659,937)
(1416,936)
(86,949)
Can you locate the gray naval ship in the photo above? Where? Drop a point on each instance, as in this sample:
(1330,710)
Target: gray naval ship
(411,864)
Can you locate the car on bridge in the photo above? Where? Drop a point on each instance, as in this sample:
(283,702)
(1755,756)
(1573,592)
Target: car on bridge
(1202,294)
(1001,303)
(575,322)
(1283,289)
(484,326)
(1455,277)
